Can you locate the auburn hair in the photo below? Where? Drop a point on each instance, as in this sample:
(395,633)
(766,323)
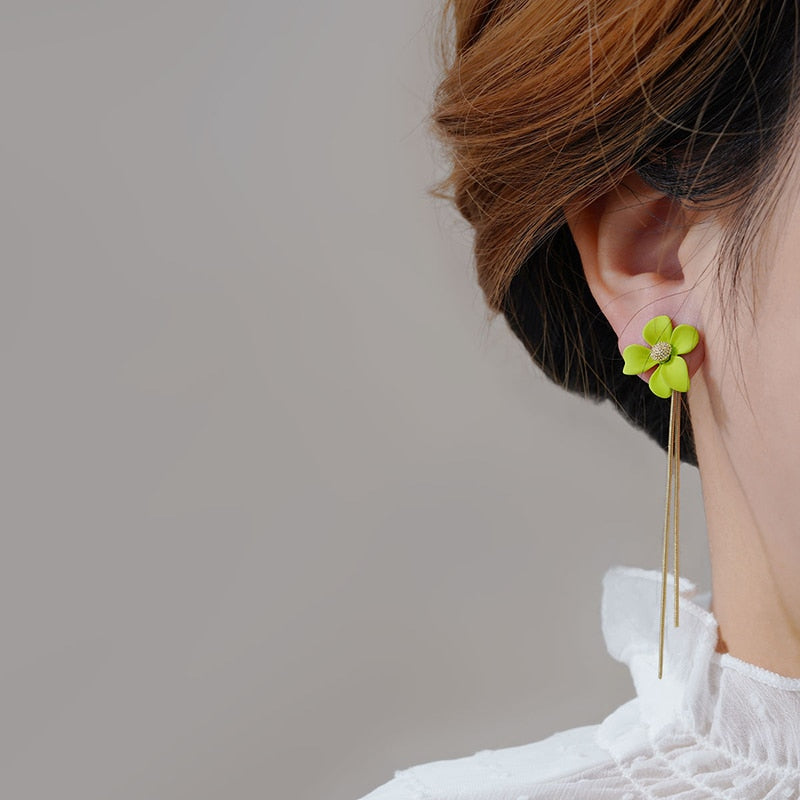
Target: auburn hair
(545,104)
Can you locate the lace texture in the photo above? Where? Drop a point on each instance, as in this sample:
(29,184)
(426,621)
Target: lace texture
(713,727)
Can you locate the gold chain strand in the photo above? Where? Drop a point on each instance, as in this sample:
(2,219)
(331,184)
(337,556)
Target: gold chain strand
(676,520)
(667,509)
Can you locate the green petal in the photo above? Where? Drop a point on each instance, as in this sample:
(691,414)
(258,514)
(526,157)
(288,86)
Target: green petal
(684,338)
(637,359)
(676,374)
(659,329)
(658,384)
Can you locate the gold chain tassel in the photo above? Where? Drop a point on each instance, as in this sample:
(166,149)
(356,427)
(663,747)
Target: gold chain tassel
(672,504)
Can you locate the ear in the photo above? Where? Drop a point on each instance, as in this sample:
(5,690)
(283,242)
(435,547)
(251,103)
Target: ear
(632,242)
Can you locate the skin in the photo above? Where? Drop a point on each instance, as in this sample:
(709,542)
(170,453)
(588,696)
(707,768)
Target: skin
(644,256)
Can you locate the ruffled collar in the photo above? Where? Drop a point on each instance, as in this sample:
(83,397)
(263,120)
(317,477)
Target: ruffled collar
(749,713)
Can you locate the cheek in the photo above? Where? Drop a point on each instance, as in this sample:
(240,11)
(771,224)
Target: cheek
(773,372)
(760,395)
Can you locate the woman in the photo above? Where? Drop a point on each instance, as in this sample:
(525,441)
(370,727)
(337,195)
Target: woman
(623,162)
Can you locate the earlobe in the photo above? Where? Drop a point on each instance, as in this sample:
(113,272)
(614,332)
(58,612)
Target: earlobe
(629,242)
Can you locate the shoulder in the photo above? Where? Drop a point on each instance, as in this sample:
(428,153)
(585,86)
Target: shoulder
(506,774)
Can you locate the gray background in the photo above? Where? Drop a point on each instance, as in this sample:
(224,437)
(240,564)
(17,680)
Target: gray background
(281,511)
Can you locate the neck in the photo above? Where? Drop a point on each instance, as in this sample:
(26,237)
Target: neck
(755,554)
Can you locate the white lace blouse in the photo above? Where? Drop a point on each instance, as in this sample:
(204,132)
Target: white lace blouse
(714,726)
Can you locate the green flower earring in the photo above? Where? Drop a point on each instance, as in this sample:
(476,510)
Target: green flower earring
(667,345)
(669,379)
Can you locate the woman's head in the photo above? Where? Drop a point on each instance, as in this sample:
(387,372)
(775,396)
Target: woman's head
(617,161)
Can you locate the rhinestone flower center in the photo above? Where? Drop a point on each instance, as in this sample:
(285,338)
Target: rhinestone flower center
(661,352)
